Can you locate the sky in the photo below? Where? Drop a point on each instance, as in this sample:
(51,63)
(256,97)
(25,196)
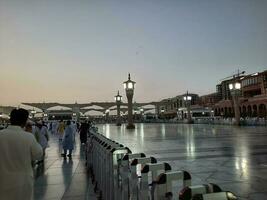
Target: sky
(66,51)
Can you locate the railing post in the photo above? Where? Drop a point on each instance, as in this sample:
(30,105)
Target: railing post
(125,173)
(147,187)
(187,193)
(136,174)
(215,196)
(115,159)
(164,183)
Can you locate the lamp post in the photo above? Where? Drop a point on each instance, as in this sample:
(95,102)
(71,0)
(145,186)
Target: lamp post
(162,111)
(107,115)
(33,112)
(129,88)
(187,99)
(45,117)
(74,116)
(235,89)
(141,114)
(118,99)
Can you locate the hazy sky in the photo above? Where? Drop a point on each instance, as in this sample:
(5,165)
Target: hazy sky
(82,50)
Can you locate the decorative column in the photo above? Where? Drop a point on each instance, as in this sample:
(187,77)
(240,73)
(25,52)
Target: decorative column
(187,100)
(118,99)
(235,89)
(129,88)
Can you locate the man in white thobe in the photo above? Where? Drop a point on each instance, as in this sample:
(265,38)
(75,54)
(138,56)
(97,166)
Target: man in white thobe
(18,149)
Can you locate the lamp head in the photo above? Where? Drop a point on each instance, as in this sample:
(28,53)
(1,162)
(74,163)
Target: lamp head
(118,97)
(129,84)
(237,86)
(231,86)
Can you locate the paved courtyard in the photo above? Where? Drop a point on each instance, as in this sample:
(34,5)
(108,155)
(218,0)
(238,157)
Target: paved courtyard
(235,158)
(63,179)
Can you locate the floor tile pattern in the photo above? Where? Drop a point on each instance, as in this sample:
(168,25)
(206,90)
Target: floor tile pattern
(63,179)
(235,158)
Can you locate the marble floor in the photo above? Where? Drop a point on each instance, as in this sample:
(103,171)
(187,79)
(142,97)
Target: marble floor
(235,158)
(60,178)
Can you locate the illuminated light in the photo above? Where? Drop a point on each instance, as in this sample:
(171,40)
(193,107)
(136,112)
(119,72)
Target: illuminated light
(124,85)
(130,85)
(237,86)
(256,74)
(231,86)
(189,98)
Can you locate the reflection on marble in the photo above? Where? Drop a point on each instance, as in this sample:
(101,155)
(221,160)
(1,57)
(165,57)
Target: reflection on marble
(63,178)
(233,157)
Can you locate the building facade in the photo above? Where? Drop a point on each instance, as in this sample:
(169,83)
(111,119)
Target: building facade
(168,108)
(252,100)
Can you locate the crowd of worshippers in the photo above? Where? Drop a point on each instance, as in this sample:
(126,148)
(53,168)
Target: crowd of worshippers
(65,131)
(23,142)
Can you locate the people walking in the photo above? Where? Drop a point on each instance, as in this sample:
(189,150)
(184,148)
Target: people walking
(68,140)
(41,136)
(54,127)
(18,149)
(83,132)
(60,130)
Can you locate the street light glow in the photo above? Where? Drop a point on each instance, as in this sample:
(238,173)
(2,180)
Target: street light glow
(130,85)
(189,98)
(231,86)
(237,86)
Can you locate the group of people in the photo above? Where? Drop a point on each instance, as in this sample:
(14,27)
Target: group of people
(24,142)
(66,133)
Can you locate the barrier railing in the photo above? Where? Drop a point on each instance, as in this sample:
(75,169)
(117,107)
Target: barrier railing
(118,174)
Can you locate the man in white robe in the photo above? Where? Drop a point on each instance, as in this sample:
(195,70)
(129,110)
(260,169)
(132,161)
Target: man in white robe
(18,149)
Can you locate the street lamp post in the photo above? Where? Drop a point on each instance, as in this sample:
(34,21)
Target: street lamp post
(141,114)
(129,88)
(33,112)
(162,111)
(235,89)
(45,117)
(107,115)
(187,99)
(118,99)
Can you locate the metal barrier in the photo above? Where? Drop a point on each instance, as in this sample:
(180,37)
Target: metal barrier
(125,174)
(164,184)
(135,174)
(189,192)
(147,185)
(118,174)
(215,196)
